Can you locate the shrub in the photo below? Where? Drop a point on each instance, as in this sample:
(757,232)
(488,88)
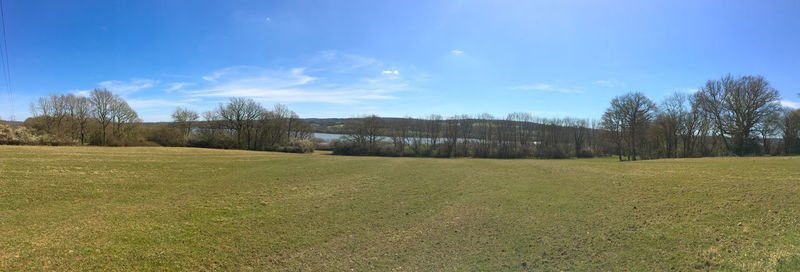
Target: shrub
(6,133)
(320,144)
(585,153)
(345,147)
(165,135)
(299,146)
(23,136)
(551,152)
(49,139)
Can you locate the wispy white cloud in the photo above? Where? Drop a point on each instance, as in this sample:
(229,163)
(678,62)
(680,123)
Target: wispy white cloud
(456,52)
(297,85)
(127,87)
(269,20)
(329,77)
(177,86)
(546,88)
(76,92)
(605,83)
(791,104)
(213,76)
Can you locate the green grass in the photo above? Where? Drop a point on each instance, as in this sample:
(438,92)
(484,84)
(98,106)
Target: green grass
(94,208)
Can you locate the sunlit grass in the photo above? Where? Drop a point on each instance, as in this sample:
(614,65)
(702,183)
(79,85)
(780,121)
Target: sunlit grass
(93,208)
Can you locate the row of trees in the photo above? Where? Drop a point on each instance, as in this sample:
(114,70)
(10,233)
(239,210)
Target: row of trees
(241,123)
(515,136)
(729,116)
(101,118)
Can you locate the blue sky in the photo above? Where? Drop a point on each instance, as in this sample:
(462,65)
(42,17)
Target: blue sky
(394,58)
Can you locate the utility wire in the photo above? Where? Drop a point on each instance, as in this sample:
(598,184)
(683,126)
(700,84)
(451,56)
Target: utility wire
(4,54)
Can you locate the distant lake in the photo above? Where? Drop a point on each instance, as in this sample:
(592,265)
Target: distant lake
(333,136)
(328,136)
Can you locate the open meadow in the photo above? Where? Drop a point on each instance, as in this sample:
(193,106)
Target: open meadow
(100,208)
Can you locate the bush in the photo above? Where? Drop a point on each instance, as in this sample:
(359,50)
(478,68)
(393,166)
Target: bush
(6,133)
(585,153)
(345,147)
(551,152)
(165,135)
(320,144)
(299,146)
(17,136)
(49,139)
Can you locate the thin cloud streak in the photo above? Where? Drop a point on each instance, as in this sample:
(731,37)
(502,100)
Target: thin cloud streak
(177,86)
(127,87)
(546,88)
(604,83)
(84,93)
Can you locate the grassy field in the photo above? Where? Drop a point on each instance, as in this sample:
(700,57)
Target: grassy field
(94,208)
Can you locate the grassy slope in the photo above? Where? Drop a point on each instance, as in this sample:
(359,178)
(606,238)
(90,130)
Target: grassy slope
(189,209)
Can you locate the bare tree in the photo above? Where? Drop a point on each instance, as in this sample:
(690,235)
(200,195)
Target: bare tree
(123,118)
(578,131)
(103,103)
(451,133)
(669,122)
(612,123)
(365,132)
(212,129)
(767,129)
(737,105)
(280,124)
(637,112)
(790,125)
(433,128)
(239,116)
(465,133)
(628,115)
(399,133)
(484,134)
(184,120)
(693,128)
(82,111)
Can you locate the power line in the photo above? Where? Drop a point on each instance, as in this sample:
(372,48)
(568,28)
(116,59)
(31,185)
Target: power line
(4,54)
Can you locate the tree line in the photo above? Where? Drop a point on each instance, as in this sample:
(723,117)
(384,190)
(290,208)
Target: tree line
(518,135)
(242,123)
(729,116)
(103,118)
